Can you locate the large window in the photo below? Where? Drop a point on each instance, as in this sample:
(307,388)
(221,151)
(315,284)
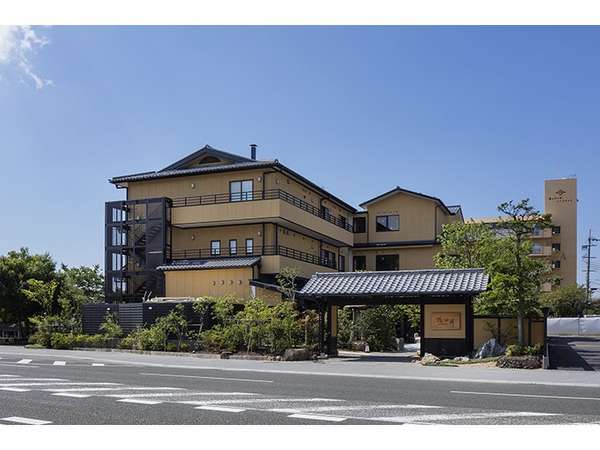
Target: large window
(118,261)
(249,246)
(232,247)
(387,262)
(388,223)
(118,236)
(240,191)
(359,262)
(215,248)
(360,225)
(328,257)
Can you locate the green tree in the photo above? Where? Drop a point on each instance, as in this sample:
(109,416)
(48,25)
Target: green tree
(110,327)
(466,245)
(286,279)
(41,292)
(175,324)
(567,301)
(16,269)
(515,277)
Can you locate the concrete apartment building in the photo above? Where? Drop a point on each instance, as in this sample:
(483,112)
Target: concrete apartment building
(216,223)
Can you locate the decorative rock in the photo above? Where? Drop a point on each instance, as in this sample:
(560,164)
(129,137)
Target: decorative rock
(489,349)
(297,354)
(519,362)
(462,359)
(429,359)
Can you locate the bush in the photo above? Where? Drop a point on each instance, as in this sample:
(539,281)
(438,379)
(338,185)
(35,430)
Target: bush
(151,338)
(378,326)
(62,341)
(110,327)
(518,350)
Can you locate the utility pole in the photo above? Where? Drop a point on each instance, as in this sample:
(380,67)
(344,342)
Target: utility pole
(588,261)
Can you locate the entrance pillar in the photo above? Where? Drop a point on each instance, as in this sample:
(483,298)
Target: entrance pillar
(332,322)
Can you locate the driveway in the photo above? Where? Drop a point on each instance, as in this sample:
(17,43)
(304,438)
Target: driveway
(574,353)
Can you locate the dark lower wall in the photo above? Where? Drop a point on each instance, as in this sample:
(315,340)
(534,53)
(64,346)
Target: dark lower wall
(94,314)
(445,347)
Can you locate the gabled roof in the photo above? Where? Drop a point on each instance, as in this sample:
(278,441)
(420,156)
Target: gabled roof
(402,283)
(205,151)
(212,263)
(399,190)
(454,209)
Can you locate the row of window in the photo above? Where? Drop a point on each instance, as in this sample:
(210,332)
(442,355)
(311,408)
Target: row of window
(215,247)
(382,223)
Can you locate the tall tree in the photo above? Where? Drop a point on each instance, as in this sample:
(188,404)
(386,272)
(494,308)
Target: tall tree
(567,301)
(516,278)
(466,245)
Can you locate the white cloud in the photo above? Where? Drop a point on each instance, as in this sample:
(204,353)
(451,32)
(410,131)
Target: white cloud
(17,45)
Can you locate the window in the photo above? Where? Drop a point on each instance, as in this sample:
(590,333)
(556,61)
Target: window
(388,223)
(342,221)
(215,248)
(240,191)
(119,285)
(359,262)
(232,247)
(537,249)
(118,236)
(360,225)
(556,247)
(249,246)
(328,258)
(386,262)
(118,215)
(555,229)
(119,261)
(325,212)
(556,264)
(342,263)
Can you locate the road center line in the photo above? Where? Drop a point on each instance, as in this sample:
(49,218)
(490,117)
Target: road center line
(11,389)
(120,388)
(71,394)
(140,401)
(221,409)
(503,394)
(318,417)
(25,420)
(249,380)
(179,394)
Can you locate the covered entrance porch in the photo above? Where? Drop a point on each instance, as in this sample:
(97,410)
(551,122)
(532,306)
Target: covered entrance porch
(445,298)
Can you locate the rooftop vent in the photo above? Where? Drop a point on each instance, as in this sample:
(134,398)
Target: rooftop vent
(253,151)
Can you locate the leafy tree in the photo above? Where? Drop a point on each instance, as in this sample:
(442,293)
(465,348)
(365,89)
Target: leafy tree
(466,245)
(201,307)
(42,293)
(87,282)
(174,323)
(16,269)
(567,301)
(284,328)
(515,278)
(110,327)
(286,279)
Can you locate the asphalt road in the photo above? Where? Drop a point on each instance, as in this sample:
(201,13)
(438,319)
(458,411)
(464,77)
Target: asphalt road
(46,387)
(574,353)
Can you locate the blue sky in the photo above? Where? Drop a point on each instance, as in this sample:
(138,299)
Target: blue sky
(472,115)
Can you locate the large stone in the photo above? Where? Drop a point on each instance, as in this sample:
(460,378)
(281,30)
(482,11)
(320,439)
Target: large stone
(297,354)
(490,349)
(429,359)
(519,362)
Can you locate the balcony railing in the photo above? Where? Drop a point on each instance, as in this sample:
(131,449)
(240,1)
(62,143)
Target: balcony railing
(271,194)
(269,250)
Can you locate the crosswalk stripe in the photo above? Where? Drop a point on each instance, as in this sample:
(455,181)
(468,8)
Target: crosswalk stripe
(4,380)
(24,361)
(318,417)
(9,376)
(351,408)
(221,409)
(445,417)
(58,383)
(105,389)
(257,400)
(71,394)
(11,389)
(178,394)
(59,363)
(26,420)
(140,401)
(97,364)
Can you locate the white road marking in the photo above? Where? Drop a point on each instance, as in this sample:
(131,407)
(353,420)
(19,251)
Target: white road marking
(24,361)
(140,401)
(26,420)
(257,400)
(444,417)
(168,394)
(10,389)
(71,394)
(318,417)
(56,384)
(221,408)
(31,379)
(59,363)
(351,408)
(562,397)
(247,380)
(10,376)
(97,365)
(122,388)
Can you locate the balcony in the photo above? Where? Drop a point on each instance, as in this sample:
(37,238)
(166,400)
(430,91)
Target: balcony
(541,234)
(270,250)
(541,250)
(274,205)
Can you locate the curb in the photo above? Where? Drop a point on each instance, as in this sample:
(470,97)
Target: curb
(200,355)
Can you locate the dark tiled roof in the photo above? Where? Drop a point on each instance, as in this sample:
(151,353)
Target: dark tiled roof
(404,283)
(212,263)
(206,151)
(398,189)
(193,171)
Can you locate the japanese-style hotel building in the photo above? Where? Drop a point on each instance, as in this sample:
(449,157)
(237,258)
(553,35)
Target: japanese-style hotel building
(215,223)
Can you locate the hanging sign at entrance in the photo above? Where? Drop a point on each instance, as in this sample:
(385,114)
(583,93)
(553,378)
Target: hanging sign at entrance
(445,320)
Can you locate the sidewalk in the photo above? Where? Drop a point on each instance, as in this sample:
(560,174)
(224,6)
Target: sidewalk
(344,367)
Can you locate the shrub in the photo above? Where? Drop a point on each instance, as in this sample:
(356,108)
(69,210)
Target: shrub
(173,323)
(519,362)
(150,338)
(378,326)
(110,327)
(519,350)
(284,330)
(62,341)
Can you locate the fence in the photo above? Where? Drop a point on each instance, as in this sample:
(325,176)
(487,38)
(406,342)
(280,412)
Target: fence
(574,326)
(504,328)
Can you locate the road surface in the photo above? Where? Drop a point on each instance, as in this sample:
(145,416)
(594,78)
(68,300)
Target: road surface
(67,387)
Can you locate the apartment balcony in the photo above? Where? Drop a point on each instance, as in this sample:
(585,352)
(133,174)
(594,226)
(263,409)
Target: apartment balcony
(275,206)
(273,257)
(541,234)
(541,251)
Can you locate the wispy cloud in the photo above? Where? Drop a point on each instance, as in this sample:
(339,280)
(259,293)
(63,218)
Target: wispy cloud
(17,45)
